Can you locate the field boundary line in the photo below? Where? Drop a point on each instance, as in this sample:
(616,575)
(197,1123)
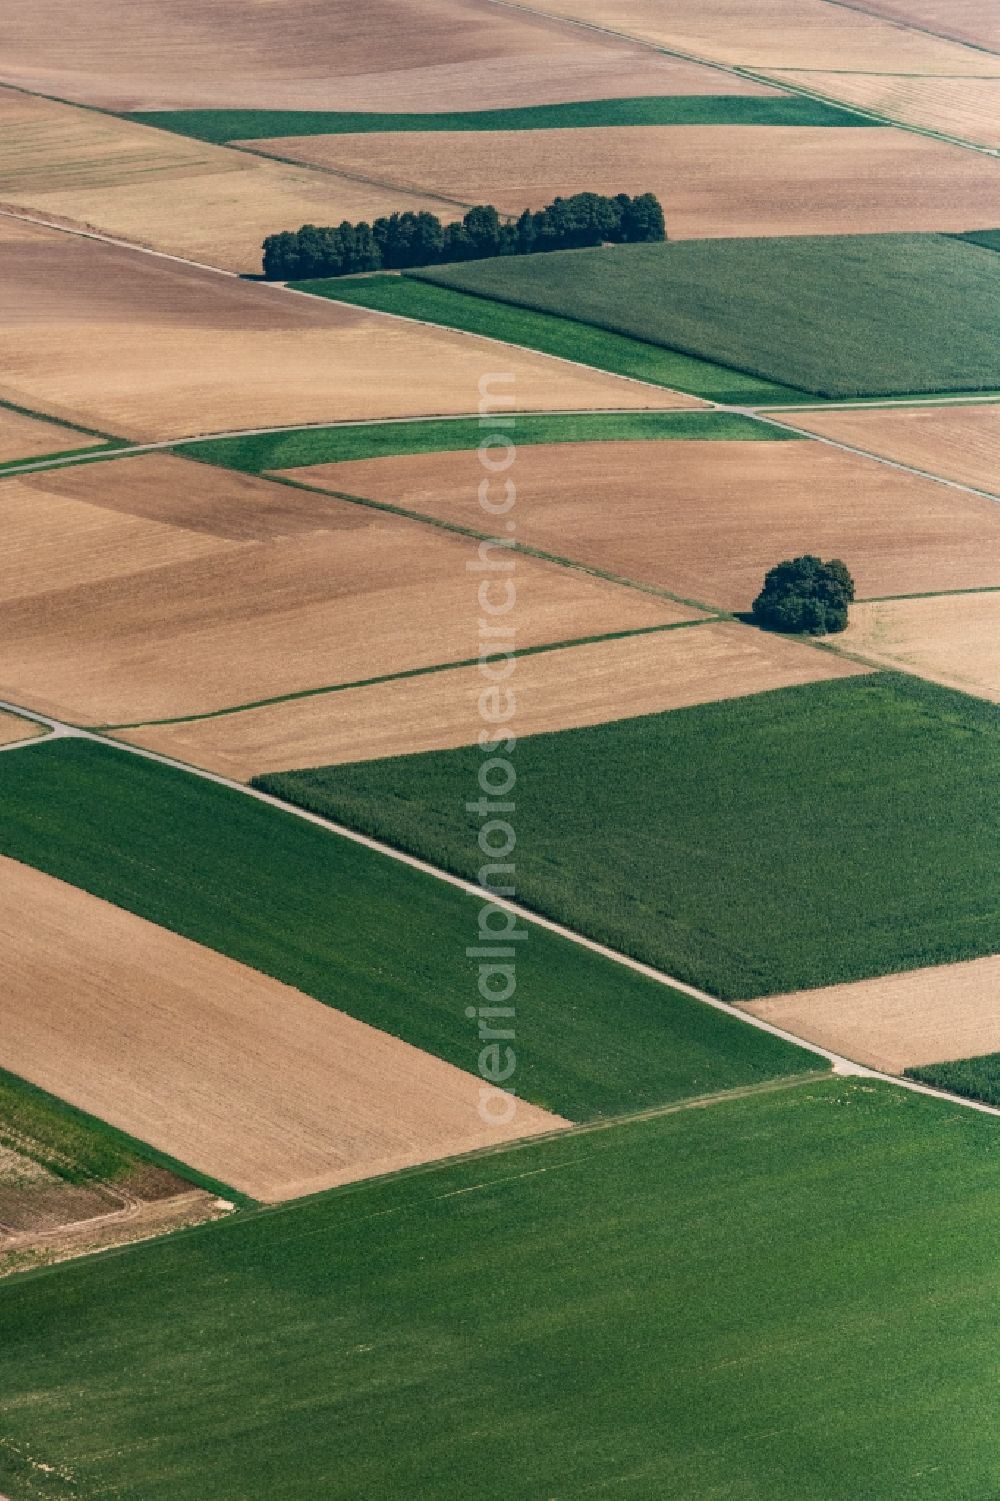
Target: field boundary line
(840,1064)
(414,672)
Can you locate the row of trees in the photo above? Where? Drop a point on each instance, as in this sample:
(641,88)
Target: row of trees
(409,239)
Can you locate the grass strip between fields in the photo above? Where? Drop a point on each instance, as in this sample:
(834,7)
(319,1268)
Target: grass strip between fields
(369,935)
(795,838)
(79,1147)
(298,448)
(978,1078)
(549,332)
(223,125)
(705,1302)
(413,672)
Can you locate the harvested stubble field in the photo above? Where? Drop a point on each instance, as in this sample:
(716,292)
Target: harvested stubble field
(713,180)
(840,315)
(785,34)
(952,639)
(326,54)
(186,351)
(174,194)
(707,1303)
(957,442)
(241,589)
(367,935)
(555,690)
(898,1021)
(13,730)
(965,107)
(707,520)
(975,22)
(23,437)
(805,837)
(247,1080)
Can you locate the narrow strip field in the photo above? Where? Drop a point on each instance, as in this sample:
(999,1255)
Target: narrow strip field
(707,1302)
(974,22)
(898,1021)
(246,1079)
(24,437)
(242,589)
(952,639)
(965,107)
(713,180)
(798,838)
(553,691)
(707,520)
(188,351)
(14,730)
(369,936)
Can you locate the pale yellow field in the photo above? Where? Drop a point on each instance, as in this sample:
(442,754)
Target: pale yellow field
(957,442)
(24,437)
(952,639)
(13,730)
(705,519)
(554,690)
(325,54)
(898,1021)
(777,34)
(241,589)
(224,1069)
(965,107)
(184,351)
(713,180)
(206,203)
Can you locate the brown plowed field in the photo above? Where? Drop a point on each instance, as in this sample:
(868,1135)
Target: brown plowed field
(13,730)
(957,442)
(149,348)
(713,180)
(554,690)
(118,618)
(705,519)
(898,1021)
(974,21)
(782,34)
(24,437)
(185,197)
(322,54)
(242,1078)
(964,107)
(953,639)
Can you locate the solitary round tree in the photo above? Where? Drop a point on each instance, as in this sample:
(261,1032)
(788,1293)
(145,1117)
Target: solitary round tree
(805,595)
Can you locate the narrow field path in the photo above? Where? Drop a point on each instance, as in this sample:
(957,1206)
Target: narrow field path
(840,1064)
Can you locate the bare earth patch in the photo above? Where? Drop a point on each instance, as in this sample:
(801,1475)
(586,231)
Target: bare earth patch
(954,639)
(112,617)
(957,442)
(245,1079)
(324,54)
(185,352)
(555,690)
(207,203)
(974,21)
(713,180)
(24,437)
(898,1021)
(707,519)
(13,730)
(964,107)
(785,33)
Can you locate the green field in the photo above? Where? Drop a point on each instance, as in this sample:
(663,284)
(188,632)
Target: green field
(362,932)
(298,447)
(788,1297)
(558,335)
(222,125)
(979,1078)
(845,315)
(989,238)
(754,846)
